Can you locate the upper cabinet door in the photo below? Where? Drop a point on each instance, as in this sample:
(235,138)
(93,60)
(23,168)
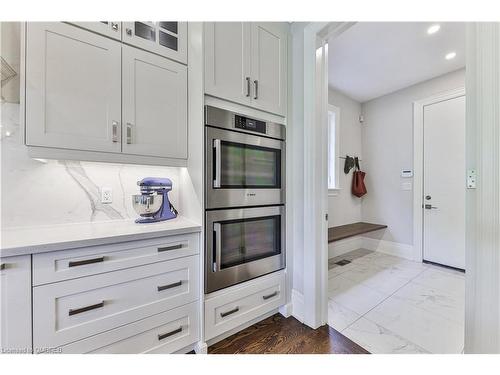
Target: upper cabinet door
(166,38)
(154,105)
(113,29)
(269,66)
(227,61)
(73,86)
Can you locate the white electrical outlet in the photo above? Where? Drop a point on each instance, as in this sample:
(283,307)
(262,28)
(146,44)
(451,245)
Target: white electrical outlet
(106,195)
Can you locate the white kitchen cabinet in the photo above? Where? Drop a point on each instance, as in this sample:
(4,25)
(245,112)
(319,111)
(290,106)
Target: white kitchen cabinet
(166,332)
(247,63)
(15,294)
(166,38)
(87,93)
(72,310)
(73,88)
(269,66)
(112,29)
(227,61)
(229,308)
(154,105)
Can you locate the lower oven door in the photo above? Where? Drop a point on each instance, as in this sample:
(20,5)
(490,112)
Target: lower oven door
(242,244)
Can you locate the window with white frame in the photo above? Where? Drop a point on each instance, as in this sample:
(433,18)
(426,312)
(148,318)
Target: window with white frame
(333,147)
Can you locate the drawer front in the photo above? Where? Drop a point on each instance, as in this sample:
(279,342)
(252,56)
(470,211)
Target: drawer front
(231,308)
(166,332)
(70,264)
(72,310)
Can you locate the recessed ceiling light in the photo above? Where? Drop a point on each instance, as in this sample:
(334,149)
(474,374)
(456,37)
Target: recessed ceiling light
(433,29)
(450,55)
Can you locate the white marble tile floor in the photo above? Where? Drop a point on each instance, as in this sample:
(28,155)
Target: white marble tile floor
(391,305)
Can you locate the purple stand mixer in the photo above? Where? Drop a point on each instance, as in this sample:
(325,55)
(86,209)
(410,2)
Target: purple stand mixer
(153,204)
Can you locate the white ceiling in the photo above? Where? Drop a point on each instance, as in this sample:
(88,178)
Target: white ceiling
(372,59)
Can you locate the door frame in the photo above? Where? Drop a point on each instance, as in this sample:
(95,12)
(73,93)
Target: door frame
(313,98)
(418,164)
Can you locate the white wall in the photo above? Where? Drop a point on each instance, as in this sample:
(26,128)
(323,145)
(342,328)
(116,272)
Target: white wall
(387,144)
(343,207)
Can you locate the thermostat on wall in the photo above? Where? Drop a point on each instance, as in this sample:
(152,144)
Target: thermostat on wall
(406,173)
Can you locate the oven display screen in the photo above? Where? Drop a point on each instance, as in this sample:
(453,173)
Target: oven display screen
(250,124)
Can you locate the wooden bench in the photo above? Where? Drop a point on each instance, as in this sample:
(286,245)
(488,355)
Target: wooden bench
(351,230)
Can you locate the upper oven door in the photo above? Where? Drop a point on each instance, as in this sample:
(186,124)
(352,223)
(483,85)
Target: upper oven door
(243,169)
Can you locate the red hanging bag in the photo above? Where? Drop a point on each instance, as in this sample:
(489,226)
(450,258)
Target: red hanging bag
(358,184)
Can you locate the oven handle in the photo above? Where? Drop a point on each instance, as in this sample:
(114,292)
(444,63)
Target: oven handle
(216,181)
(216,261)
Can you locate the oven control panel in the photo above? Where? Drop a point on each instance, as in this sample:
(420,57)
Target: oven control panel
(246,123)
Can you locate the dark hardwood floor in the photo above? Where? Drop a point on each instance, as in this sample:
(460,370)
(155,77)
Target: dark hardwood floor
(279,335)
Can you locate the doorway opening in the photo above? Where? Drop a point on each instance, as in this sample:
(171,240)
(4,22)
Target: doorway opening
(396,186)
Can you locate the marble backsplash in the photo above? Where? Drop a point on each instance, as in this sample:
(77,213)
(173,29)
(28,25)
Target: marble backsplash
(49,192)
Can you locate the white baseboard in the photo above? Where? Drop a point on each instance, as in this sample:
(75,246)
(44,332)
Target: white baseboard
(344,246)
(286,310)
(201,347)
(388,247)
(298,305)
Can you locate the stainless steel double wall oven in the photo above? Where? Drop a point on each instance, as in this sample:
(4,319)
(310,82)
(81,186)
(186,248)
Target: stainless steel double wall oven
(244,198)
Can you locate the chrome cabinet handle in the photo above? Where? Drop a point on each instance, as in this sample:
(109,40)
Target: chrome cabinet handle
(216,180)
(128,31)
(114,26)
(169,286)
(129,133)
(430,207)
(168,334)
(248,86)
(114,128)
(224,314)
(270,295)
(167,248)
(256,83)
(217,251)
(85,261)
(86,308)
(3,266)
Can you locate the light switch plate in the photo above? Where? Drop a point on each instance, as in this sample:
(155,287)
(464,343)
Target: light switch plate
(471,178)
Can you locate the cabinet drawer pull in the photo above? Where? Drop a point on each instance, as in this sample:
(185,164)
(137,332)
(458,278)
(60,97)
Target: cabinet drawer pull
(129,133)
(224,314)
(3,266)
(170,286)
(167,248)
(114,128)
(270,295)
(256,83)
(168,334)
(77,263)
(86,308)
(248,86)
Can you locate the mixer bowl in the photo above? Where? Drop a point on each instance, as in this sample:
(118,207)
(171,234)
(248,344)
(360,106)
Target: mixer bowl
(147,205)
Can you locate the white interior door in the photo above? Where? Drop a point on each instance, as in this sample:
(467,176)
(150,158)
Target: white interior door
(444,183)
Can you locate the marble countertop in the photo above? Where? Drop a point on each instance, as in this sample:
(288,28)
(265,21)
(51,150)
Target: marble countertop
(40,239)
